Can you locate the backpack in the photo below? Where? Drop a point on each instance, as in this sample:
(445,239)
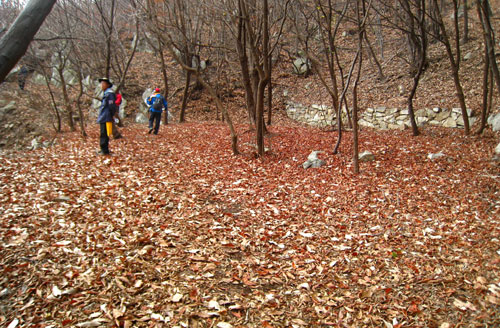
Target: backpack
(158,104)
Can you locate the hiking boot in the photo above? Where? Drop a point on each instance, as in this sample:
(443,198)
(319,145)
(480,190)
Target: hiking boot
(150,130)
(102,153)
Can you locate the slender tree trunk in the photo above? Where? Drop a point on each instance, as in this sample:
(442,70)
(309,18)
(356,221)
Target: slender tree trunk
(411,111)
(486,82)
(245,71)
(264,77)
(52,98)
(79,105)
(164,74)
(455,64)
(185,96)
(374,56)
(67,104)
(343,97)
(260,117)
(484,13)
(223,109)
(355,130)
(465,37)
(355,158)
(421,43)
(270,94)
(109,37)
(15,42)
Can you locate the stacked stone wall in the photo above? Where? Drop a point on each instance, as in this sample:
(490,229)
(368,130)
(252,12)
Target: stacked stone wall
(380,117)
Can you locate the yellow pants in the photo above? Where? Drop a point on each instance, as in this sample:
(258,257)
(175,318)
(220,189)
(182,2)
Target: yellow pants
(109,128)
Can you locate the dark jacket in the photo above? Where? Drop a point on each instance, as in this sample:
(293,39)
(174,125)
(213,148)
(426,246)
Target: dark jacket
(108,107)
(151,101)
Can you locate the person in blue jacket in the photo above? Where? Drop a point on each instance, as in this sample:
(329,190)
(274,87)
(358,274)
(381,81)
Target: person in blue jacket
(157,103)
(106,113)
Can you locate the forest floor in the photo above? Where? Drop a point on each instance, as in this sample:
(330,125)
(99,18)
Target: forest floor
(175,231)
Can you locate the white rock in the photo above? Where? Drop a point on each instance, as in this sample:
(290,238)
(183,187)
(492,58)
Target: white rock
(495,123)
(366,156)
(435,156)
(224,325)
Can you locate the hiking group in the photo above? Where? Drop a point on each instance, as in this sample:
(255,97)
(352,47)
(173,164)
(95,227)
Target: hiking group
(108,113)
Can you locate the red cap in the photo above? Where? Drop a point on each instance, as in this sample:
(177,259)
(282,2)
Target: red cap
(157,90)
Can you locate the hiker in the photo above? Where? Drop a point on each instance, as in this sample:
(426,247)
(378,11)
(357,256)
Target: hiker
(21,77)
(157,103)
(106,113)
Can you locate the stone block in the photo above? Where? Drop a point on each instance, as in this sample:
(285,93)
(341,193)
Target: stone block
(365,123)
(450,123)
(396,126)
(442,116)
(421,113)
(421,120)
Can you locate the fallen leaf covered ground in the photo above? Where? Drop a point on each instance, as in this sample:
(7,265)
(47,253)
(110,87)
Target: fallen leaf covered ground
(174,231)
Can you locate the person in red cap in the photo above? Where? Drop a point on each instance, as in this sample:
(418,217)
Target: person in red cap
(157,104)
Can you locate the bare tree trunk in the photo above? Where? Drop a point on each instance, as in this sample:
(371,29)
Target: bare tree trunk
(270,95)
(433,28)
(164,74)
(455,63)
(361,31)
(355,156)
(486,91)
(484,13)
(109,37)
(264,78)
(223,109)
(420,41)
(15,42)
(465,37)
(185,95)
(67,104)
(79,105)
(52,98)
(374,56)
(241,46)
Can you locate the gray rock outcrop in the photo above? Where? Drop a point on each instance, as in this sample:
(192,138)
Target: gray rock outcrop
(494,121)
(301,66)
(313,161)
